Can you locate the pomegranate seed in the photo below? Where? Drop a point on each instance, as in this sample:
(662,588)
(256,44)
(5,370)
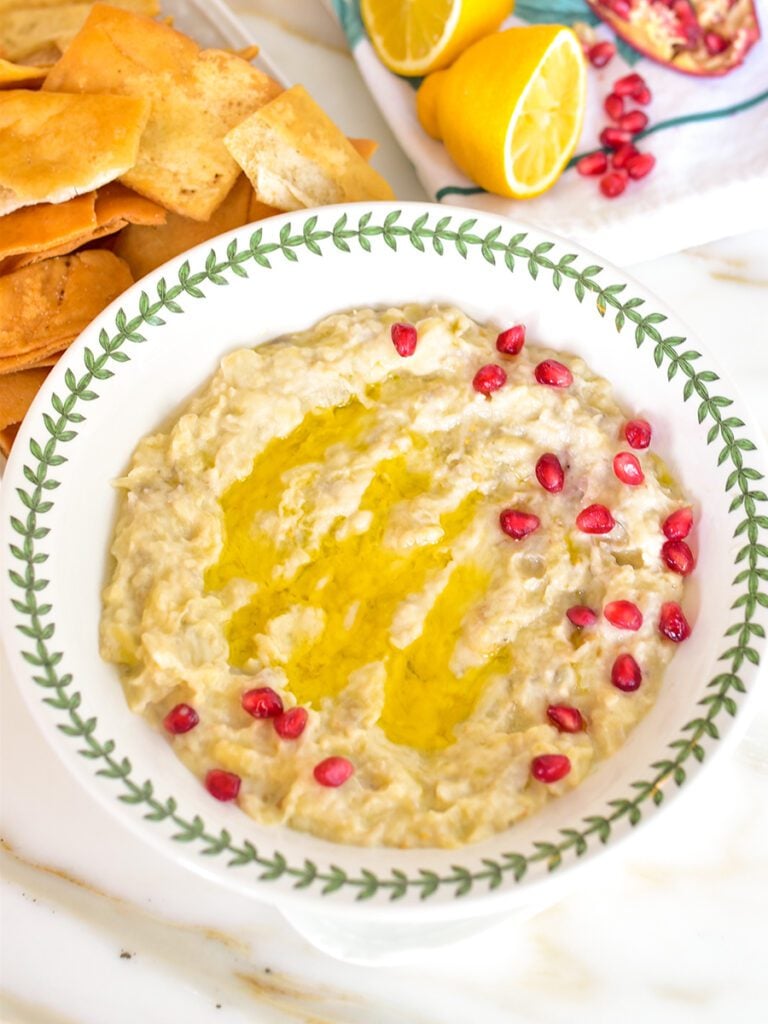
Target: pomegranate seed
(635,121)
(678,557)
(223,785)
(640,165)
(592,163)
(621,8)
(333,771)
(262,702)
(580,615)
(626,674)
(629,85)
(715,43)
(517,524)
(291,724)
(673,623)
(627,469)
(550,473)
(623,615)
(511,341)
(550,767)
(404,339)
(553,373)
(612,138)
(489,378)
(595,519)
(601,54)
(181,719)
(614,106)
(638,433)
(621,156)
(566,719)
(613,184)
(642,95)
(678,525)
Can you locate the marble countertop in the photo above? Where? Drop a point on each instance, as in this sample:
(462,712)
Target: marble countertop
(99,929)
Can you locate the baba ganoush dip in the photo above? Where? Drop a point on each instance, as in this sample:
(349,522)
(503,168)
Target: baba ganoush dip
(398,580)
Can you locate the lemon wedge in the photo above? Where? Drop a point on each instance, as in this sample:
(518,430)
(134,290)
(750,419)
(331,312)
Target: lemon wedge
(510,109)
(414,37)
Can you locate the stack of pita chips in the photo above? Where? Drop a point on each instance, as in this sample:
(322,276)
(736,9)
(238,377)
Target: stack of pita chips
(137,144)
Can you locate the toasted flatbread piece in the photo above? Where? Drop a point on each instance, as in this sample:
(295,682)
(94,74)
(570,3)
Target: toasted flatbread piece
(34,26)
(196,95)
(16,393)
(7,437)
(20,76)
(43,307)
(296,157)
(70,144)
(144,249)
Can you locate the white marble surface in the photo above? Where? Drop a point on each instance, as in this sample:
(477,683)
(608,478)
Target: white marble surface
(98,929)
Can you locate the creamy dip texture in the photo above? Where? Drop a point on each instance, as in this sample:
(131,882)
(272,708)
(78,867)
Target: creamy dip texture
(324,521)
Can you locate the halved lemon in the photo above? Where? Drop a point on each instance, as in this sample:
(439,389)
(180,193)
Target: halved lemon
(510,109)
(414,37)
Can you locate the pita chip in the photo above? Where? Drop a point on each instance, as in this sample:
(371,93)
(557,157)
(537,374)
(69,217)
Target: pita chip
(20,76)
(7,437)
(71,144)
(196,95)
(16,393)
(43,307)
(296,157)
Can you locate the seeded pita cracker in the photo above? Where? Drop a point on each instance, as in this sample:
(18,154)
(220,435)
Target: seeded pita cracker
(29,27)
(143,248)
(197,96)
(70,144)
(16,393)
(20,76)
(43,307)
(296,157)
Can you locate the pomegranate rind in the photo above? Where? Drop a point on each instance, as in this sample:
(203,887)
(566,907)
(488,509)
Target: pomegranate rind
(655,29)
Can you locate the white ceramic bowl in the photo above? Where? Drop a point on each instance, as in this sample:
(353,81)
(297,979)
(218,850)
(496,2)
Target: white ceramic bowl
(141,359)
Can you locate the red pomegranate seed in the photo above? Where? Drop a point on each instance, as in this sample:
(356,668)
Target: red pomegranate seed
(511,341)
(595,519)
(678,557)
(629,85)
(628,469)
(223,785)
(553,373)
(623,615)
(404,339)
(333,771)
(614,106)
(642,95)
(550,473)
(291,724)
(715,43)
(489,378)
(612,138)
(621,8)
(613,184)
(181,719)
(262,702)
(635,121)
(638,433)
(678,524)
(580,615)
(621,157)
(641,164)
(673,623)
(567,719)
(592,164)
(517,524)
(550,767)
(601,54)
(626,674)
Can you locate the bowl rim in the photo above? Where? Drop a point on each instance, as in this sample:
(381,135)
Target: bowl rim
(429,229)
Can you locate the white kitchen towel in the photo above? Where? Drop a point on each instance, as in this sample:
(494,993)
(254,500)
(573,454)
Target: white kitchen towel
(709,137)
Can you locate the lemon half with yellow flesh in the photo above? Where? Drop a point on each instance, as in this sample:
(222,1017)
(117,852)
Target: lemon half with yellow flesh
(414,37)
(510,109)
